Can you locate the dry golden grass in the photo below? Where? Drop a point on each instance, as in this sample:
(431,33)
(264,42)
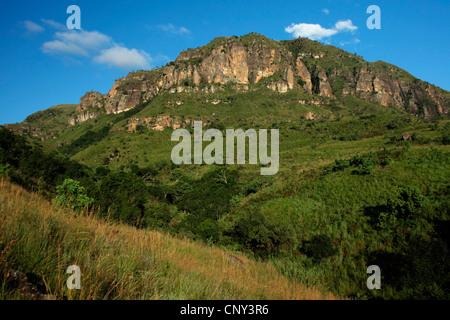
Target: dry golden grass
(119,262)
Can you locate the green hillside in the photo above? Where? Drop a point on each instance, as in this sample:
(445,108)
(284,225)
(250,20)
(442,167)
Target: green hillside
(359,183)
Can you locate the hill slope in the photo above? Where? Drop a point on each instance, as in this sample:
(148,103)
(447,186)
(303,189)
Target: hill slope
(364,162)
(118,261)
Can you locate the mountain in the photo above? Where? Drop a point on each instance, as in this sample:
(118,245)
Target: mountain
(253,60)
(45,124)
(363,166)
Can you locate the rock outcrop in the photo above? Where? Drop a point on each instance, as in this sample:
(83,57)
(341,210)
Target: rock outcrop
(279,65)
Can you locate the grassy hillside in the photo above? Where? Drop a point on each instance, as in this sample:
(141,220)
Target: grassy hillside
(120,262)
(359,184)
(46,123)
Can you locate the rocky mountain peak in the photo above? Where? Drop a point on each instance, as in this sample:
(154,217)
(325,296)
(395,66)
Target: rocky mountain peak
(254,59)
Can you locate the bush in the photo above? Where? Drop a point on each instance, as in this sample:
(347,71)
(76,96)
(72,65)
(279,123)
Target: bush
(364,165)
(406,203)
(72,195)
(340,164)
(123,196)
(319,247)
(208,230)
(402,207)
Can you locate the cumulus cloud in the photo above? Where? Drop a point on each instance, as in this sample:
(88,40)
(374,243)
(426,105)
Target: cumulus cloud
(174,29)
(93,45)
(345,25)
(311,31)
(60,47)
(76,42)
(32,27)
(124,58)
(54,24)
(326,11)
(84,39)
(317,32)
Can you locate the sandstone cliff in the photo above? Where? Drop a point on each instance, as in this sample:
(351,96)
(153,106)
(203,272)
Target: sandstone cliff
(278,65)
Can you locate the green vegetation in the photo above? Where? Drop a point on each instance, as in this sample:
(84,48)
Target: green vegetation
(120,262)
(350,192)
(359,185)
(73,196)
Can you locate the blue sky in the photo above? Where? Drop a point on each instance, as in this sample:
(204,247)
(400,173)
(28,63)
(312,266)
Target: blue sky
(42,63)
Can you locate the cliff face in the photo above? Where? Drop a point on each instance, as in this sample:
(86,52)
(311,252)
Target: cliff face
(253,59)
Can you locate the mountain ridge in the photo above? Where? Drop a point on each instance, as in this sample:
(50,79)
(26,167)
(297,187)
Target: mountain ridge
(320,70)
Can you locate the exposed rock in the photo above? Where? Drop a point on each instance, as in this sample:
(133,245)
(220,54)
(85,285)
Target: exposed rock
(324,86)
(279,86)
(83,116)
(406,136)
(316,102)
(365,81)
(234,259)
(89,107)
(243,63)
(20,282)
(90,99)
(158,123)
(304,75)
(310,116)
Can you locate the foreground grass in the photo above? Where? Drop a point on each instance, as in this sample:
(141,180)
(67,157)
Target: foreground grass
(120,262)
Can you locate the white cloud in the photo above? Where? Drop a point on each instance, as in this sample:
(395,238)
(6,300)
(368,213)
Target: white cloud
(76,42)
(174,29)
(317,32)
(94,45)
(60,47)
(84,39)
(54,24)
(345,25)
(32,27)
(124,58)
(311,31)
(326,11)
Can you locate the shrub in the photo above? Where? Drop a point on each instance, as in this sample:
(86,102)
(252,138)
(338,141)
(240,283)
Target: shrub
(402,207)
(340,164)
(208,230)
(72,195)
(406,203)
(319,247)
(364,165)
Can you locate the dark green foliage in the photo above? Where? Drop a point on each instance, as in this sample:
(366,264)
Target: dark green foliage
(362,164)
(444,139)
(175,174)
(253,232)
(420,271)
(403,207)
(406,203)
(122,196)
(208,230)
(340,164)
(210,196)
(85,141)
(301,82)
(319,247)
(32,168)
